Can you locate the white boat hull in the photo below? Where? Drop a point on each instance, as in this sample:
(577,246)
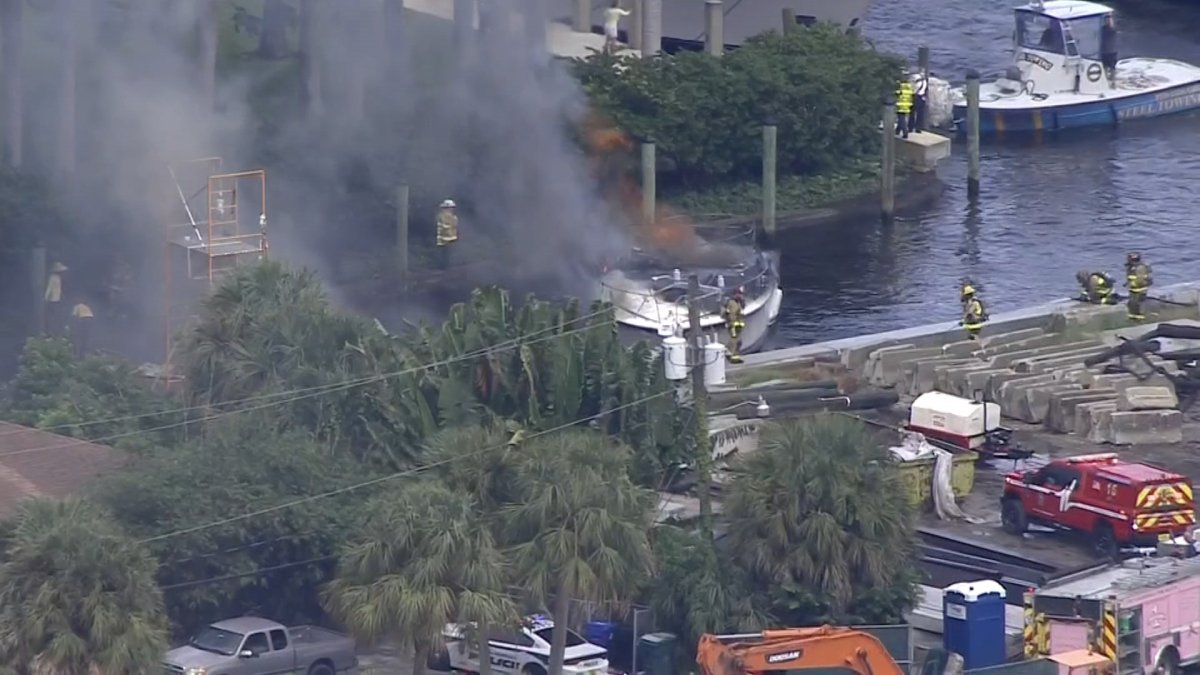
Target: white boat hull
(1144,87)
(760,318)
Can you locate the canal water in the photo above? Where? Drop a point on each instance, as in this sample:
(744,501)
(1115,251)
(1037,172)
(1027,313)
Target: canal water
(1046,209)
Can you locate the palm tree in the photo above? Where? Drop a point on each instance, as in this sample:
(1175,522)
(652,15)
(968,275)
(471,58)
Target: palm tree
(77,595)
(581,523)
(421,560)
(818,512)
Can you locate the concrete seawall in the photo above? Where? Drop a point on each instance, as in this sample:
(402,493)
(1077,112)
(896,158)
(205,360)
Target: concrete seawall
(1031,361)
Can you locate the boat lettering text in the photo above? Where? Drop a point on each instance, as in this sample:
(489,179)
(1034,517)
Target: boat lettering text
(1166,102)
(1036,60)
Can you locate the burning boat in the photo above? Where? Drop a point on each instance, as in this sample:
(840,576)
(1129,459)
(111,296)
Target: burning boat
(649,287)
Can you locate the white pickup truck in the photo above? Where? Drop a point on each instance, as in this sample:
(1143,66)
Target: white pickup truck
(253,646)
(520,650)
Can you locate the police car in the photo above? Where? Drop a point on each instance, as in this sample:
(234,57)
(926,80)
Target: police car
(521,650)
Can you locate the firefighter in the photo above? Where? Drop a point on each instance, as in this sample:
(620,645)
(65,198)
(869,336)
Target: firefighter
(1139,280)
(735,322)
(56,319)
(904,106)
(447,231)
(1096,287)
(81,327)
(974,313)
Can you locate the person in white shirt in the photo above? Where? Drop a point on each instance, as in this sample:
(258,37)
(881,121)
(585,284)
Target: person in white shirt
(612,20)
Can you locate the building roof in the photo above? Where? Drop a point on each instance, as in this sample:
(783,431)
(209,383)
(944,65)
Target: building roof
(1068,9)
(36,463)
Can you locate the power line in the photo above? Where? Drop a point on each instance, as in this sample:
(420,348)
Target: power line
(389,477)
(253,573)
(311,393)
(501,346)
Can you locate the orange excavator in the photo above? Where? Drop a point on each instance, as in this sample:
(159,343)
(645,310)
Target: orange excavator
(795,649)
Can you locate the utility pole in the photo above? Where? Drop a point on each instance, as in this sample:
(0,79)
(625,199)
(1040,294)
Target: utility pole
(699,409)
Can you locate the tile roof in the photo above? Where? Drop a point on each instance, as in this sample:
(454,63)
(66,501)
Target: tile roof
(36,463)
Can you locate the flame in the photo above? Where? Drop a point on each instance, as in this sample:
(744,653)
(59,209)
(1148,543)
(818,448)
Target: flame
(611,150)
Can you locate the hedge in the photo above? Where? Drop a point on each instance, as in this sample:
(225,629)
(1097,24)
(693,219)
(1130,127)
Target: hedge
(823,88)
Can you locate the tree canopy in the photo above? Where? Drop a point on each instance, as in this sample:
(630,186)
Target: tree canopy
(818,514)
(823,87)
(77,595)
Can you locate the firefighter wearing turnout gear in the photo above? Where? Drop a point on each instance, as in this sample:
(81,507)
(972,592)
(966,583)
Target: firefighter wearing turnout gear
(1139,280)
(447,231)
(974,314)
(904,107)
(735,322)
(1096,287)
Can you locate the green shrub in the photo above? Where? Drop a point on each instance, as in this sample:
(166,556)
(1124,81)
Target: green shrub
(823,87)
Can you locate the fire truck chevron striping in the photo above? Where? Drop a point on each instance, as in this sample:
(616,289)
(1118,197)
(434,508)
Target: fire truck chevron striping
(1164,495)
(1108,646)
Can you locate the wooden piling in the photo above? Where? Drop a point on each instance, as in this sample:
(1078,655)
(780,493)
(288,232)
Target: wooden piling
(635,24)
(789,21)
(583,16)
(37,284)
(887,175)
(922,116)
(714,27)
(402,231)
(972,134)
(649,182)
(770,135)
(652,23)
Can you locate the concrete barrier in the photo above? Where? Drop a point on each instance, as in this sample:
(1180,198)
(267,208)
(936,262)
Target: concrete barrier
(1087,415)
(1147,398)
(1064,405)
(1145,426)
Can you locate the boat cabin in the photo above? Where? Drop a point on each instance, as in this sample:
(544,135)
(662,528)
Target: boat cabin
(1057,46)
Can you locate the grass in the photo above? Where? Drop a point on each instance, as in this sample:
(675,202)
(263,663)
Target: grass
(793,193)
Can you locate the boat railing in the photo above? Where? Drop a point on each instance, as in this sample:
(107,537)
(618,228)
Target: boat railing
(664,301)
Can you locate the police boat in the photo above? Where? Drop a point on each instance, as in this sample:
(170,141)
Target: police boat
(648,288)
(1058,81)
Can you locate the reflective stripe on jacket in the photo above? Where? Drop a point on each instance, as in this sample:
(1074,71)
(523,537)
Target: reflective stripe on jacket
(1138,278)
(974,314)
(447,228)
(904,98)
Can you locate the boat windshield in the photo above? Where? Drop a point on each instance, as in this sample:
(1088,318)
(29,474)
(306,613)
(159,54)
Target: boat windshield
(1040,32)
(1086,32)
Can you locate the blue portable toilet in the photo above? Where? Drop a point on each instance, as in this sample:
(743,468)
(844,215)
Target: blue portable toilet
(973,622)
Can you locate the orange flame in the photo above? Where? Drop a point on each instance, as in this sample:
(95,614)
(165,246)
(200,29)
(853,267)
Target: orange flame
(611,149)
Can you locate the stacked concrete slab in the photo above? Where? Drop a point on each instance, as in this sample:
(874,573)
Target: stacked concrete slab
(1039,377)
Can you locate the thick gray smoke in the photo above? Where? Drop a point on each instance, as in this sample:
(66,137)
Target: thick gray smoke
(388,96)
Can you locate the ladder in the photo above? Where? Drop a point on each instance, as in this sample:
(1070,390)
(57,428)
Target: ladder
(1158,575)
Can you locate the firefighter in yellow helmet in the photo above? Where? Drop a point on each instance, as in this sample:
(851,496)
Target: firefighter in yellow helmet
(1139,280)
(974,313)
(1095,287)
(447,231)
(735,322)
(904,107)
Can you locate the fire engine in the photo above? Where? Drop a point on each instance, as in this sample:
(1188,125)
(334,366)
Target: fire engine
(1116,503)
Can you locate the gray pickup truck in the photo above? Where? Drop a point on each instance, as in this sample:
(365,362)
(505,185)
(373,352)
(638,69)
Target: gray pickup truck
(253,646)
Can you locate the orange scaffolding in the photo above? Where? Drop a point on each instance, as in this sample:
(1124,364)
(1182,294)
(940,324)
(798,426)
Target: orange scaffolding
(217,226)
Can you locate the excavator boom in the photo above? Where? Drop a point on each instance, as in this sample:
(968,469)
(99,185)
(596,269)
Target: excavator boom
(795,649)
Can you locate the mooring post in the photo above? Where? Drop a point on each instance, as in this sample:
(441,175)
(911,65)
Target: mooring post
(635,24)
(922,113)
(651,27)
(770,135)
(887,174)
(464,23)
(649,185)
(714,27)
(789,21)
(402,231)
(972,133)
(37,284)
(583,16)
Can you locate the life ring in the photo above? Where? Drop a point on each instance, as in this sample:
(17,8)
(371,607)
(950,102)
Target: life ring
(1094,71)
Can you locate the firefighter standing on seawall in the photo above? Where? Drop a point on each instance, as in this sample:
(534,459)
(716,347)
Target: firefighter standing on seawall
(1139,280)
(447,231)
(1097,287)
(735,322)
(904,107)
(974,314)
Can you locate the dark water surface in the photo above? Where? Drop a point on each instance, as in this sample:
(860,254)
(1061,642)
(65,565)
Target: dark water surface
(1046,210)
